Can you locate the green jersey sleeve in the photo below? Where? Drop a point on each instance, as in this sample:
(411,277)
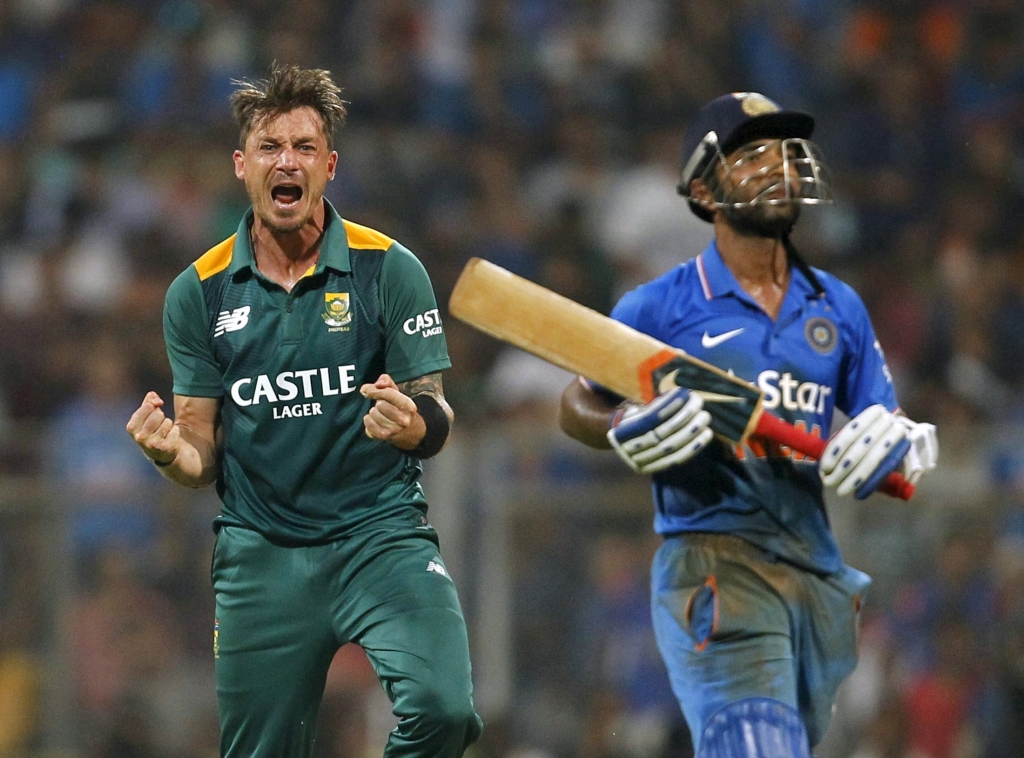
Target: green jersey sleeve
(187,337)
(415,342)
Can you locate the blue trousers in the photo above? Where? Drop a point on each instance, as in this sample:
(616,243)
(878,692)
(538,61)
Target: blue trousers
(733,623)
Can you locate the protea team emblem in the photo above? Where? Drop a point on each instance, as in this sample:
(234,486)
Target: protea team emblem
(337,310)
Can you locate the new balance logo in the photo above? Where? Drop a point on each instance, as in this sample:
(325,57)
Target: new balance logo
(232,321)
(708,341)
(437,568)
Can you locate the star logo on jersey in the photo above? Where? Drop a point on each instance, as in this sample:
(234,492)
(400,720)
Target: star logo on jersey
(231,321)
(337,310)
(708,342)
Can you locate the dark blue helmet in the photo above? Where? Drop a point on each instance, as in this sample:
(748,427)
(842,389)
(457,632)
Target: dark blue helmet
(726,124)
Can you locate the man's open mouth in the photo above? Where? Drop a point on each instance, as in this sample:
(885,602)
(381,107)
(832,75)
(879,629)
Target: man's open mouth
(286,195)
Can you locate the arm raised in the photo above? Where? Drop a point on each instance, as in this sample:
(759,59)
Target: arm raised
(185,448)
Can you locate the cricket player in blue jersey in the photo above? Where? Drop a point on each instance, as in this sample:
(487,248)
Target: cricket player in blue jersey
(754,611)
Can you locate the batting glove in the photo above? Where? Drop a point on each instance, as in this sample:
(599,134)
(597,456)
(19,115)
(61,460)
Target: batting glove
(669,430)
(923,454)
(867,449)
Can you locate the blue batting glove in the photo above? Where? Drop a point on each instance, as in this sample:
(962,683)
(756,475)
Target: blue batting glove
(668,431)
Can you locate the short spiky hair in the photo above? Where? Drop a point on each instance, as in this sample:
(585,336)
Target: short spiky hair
(288,87)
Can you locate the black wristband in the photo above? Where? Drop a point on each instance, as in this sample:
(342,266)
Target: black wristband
(436,421)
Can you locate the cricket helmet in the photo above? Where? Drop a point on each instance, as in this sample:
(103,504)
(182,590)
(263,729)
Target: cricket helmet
(731,121)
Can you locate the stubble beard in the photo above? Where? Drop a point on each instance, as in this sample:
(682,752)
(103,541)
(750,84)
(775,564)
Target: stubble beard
(761,220)
(276,226)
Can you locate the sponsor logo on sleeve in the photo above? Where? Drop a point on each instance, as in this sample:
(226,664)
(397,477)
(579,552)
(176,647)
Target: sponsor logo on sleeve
(885,366)
(425,324)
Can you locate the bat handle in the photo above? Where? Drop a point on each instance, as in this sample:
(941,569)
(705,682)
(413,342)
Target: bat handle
(804,442)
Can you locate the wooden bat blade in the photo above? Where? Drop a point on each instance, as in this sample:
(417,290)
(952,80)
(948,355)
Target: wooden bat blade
(618,357)
(583,341)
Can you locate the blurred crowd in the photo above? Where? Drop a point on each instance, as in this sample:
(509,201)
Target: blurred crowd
(542,135)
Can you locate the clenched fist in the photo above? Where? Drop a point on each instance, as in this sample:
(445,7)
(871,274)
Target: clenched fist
(393,417)
(154,432)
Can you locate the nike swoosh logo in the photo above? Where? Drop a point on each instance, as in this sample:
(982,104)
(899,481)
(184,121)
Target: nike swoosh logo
(708,341)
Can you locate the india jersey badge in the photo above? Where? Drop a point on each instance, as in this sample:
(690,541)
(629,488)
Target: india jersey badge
(821,334)
(337,311)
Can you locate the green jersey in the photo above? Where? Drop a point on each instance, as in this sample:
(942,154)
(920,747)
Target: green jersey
(297,465)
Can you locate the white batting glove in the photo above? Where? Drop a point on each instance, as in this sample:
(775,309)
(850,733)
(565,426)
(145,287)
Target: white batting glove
(861,454)
(923,454)
(669,430)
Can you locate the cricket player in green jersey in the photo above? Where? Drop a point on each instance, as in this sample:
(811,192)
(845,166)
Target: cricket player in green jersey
(306,353)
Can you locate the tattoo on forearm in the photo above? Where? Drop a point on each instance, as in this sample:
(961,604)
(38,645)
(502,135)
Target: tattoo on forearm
(429,385)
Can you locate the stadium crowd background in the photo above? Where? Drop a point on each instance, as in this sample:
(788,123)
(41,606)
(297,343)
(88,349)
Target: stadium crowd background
(542,135)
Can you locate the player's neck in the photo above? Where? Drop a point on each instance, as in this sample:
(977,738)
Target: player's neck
(759,264)
(750,257)
(285,257)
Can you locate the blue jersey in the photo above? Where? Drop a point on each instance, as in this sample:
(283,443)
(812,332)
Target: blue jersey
(820,354)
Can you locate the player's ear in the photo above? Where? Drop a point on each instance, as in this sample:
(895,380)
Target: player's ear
(700,194)
(332,165)
(239,159)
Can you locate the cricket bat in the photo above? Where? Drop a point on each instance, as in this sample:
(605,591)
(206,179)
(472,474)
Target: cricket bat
(620,358)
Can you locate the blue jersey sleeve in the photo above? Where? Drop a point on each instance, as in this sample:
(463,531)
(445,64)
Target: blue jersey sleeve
(633,310)
(867,379)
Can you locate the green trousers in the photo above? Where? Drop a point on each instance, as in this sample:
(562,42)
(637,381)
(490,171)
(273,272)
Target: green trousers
(282,612)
